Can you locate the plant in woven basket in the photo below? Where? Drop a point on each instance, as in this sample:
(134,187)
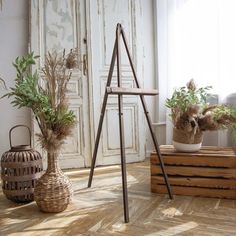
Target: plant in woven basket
(192,115)
(47,99)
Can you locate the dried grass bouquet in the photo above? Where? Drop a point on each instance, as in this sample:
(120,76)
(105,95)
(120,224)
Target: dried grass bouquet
(46,98)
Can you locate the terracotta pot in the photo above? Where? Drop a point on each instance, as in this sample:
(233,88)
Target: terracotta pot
(187,142)
(53,190)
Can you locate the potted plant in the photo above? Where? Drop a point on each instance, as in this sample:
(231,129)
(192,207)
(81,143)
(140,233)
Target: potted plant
(191,115)
(48,102)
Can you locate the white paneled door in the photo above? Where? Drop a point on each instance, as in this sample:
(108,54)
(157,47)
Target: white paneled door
(90,26)
(59,24)
(104,16)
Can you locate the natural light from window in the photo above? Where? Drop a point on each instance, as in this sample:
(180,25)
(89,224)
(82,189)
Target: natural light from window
(202,43)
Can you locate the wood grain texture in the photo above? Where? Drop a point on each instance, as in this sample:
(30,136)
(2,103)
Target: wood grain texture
(195,171)
(205,150)
(131,91)
(191,160)
(98,211)
(196,191)
(211,172)
(196,181)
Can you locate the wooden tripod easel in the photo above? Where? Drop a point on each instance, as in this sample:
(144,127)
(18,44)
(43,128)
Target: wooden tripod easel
(120,92)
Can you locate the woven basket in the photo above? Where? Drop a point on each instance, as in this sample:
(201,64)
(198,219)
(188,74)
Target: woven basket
(186,137)
(21,166)
(53,190)
(186,141)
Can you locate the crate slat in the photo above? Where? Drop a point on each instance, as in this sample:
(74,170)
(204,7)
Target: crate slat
(211,161)
(204,151)
(196,181)
(196,191)
(195,171)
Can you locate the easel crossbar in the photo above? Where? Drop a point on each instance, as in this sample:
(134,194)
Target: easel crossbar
(131,91)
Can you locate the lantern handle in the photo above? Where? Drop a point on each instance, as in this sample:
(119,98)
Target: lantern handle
(16,126)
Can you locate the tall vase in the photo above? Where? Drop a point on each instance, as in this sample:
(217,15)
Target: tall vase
(53,190)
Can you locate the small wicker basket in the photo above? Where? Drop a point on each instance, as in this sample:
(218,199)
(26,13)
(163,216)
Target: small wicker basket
(21,166)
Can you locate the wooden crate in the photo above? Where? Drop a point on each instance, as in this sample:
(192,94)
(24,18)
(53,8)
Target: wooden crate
(211,172)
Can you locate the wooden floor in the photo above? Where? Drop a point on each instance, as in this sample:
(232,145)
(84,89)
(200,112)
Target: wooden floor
(98,211)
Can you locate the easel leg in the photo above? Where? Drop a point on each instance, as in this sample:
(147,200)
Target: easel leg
(97,140)
(123,160)
(148,118)
(121,127)
(102,116)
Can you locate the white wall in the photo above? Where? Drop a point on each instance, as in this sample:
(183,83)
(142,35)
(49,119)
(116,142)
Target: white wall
(149,67)
(14,36)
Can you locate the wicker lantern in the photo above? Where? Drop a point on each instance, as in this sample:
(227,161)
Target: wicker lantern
(21,166)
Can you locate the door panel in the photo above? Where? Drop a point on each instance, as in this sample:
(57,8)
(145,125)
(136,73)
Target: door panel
(103,17)
(112,12)
(59,24)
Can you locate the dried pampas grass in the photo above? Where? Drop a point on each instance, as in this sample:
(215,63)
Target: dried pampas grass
(57,73)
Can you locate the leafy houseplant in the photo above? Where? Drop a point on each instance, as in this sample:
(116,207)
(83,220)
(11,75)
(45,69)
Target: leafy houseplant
(192,115)
(50,107)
